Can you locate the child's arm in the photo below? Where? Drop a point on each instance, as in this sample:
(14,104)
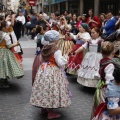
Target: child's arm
(60,60)
(115,111)
(84,46)
(74,37)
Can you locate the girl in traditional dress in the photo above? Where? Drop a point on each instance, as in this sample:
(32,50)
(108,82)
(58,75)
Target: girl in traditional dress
(75,60)
(17,49)
(9,67)
(110,110)
(88,73)
(36,63)
(50,86)
(106,73)
(65,43)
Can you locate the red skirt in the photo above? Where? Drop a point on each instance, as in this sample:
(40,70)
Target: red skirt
(75,60)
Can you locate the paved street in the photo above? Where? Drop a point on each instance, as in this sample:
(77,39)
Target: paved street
(14,101)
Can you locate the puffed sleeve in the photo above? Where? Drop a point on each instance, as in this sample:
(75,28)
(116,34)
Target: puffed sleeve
(7,38)
(86,36)
(85,45)
(112,103)
(60,60)
(109,73)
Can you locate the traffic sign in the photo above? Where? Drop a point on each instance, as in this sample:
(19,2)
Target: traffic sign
(32,2)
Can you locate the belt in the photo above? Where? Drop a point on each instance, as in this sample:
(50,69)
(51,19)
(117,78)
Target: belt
(3,47)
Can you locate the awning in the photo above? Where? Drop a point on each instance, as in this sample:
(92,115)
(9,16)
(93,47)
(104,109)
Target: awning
(58,1)
(48,2)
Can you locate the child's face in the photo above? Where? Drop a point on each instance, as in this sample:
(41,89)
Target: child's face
(94,34)
(83,18)
(81,29)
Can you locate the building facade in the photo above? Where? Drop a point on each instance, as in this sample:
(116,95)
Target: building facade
(8,4)
(81,6)
(2,4)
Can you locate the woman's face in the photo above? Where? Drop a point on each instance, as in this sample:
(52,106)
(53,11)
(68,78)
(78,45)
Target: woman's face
(102,17)
(90,13)
(94,34)
(74,17)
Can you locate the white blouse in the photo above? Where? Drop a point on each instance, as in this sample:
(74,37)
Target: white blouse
(59,59)
(93,41)
(109,72)
(84,35)
(7,38)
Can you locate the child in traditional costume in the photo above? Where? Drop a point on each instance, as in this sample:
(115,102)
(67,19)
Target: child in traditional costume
(65,43)
(9,67)
(110,110)
(75,60)
(106,73)
(50,86)
(17,50)
(88,73)
(36,63)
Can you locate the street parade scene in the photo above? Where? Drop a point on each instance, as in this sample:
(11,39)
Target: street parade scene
(60,59)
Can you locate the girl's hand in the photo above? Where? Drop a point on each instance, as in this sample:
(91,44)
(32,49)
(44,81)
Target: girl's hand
(17,43)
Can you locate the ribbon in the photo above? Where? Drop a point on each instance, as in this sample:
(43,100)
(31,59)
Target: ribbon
(45,65)
(97,93)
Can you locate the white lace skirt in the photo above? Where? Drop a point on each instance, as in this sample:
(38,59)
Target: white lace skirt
(88,73)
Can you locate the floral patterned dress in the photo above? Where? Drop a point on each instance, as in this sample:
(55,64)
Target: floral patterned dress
(50,85)
(9,67)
